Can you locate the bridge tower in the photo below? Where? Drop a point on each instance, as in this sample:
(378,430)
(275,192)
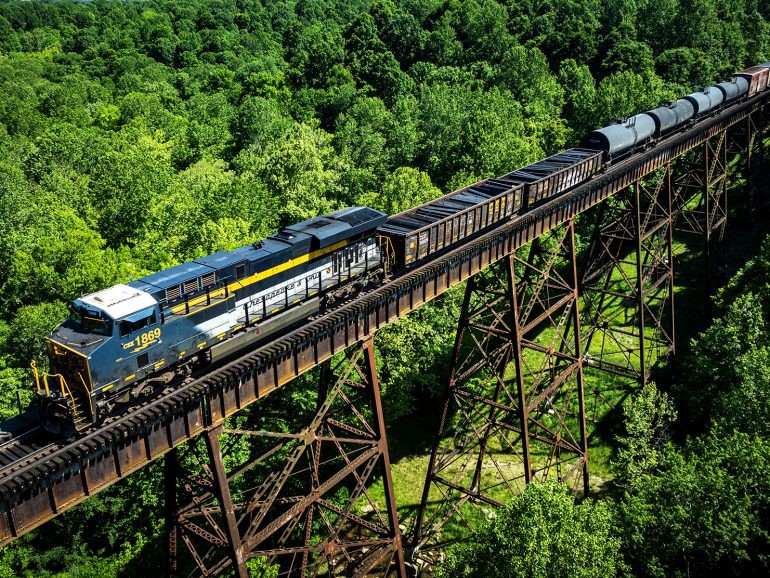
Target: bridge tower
(293,490)
(514,408)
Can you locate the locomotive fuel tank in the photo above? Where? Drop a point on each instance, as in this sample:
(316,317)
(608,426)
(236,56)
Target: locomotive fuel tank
(618,138)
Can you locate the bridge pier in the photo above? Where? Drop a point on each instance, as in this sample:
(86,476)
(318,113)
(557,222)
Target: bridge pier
(295,497)
(514,409)
(628,283)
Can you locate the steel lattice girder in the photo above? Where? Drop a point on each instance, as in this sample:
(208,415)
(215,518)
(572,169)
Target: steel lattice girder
(629,268)
(521,316)
(699,196)
(300,500)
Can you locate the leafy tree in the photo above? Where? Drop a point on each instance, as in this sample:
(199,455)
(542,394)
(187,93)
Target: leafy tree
(623,94)
(174,221)
(566,29)
(399,30)
(580,96)
(28,328)
(402,189)
(209,131)
(648,418)
(441,44)
(686,66)
(628,54)
(9,40)
(474,134)
(301,171)
(705,514)
(259,122)
(126,181)
(482,27)
(541,533)
(525,72)
(319,49)
(372,64)
(729,369)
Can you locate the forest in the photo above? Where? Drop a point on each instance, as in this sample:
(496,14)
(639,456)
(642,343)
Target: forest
(136,135)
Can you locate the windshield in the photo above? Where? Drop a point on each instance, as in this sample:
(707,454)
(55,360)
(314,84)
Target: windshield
(91,322)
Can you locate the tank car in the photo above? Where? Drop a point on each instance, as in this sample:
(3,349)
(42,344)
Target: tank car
(618,139)
(733,88)
(667,118)
(705,101)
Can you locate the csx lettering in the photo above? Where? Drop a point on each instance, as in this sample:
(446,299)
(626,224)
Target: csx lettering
(144,338)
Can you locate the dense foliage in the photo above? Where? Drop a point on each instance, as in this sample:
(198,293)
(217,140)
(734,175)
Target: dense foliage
(136,135)
(542,533)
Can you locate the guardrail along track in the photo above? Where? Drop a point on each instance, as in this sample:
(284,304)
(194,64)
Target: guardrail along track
(38,488)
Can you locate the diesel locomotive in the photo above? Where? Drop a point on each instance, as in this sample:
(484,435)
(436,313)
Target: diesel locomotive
(124,342)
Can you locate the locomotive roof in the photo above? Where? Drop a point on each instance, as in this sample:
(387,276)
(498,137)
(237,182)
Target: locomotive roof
(328,229)
(118,301)
(176,275)
(315,233)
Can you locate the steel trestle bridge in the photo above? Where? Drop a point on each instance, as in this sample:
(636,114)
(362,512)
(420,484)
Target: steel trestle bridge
(536,313)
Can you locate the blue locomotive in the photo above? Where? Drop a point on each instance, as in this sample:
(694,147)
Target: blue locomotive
(125,341)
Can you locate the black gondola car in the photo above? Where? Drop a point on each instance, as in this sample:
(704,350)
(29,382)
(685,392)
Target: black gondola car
(433,226)
(557,173)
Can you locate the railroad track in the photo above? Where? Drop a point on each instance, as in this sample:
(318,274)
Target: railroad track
(25,448)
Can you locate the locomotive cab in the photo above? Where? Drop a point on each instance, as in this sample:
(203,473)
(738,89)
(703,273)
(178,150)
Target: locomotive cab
(121,323)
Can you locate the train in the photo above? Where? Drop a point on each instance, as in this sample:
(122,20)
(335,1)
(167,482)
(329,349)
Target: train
(125,342)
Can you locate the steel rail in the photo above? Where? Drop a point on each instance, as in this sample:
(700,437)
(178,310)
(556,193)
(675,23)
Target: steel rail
(43,488)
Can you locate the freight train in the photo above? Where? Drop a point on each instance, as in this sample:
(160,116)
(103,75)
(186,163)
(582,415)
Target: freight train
(124,342)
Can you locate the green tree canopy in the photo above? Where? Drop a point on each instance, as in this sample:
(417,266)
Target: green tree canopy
(542,533)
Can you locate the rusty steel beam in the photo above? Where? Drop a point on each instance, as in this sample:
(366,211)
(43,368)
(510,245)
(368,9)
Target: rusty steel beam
(39,488)
(630,268)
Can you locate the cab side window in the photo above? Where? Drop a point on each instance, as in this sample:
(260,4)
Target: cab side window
(129,327)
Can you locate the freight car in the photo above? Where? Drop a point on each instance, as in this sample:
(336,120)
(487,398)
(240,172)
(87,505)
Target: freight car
(424,230)
(431,227)
(627,136)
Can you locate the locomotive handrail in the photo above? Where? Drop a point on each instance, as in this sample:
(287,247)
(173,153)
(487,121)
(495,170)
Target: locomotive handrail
(89,392)
(64,388)
(386,247)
